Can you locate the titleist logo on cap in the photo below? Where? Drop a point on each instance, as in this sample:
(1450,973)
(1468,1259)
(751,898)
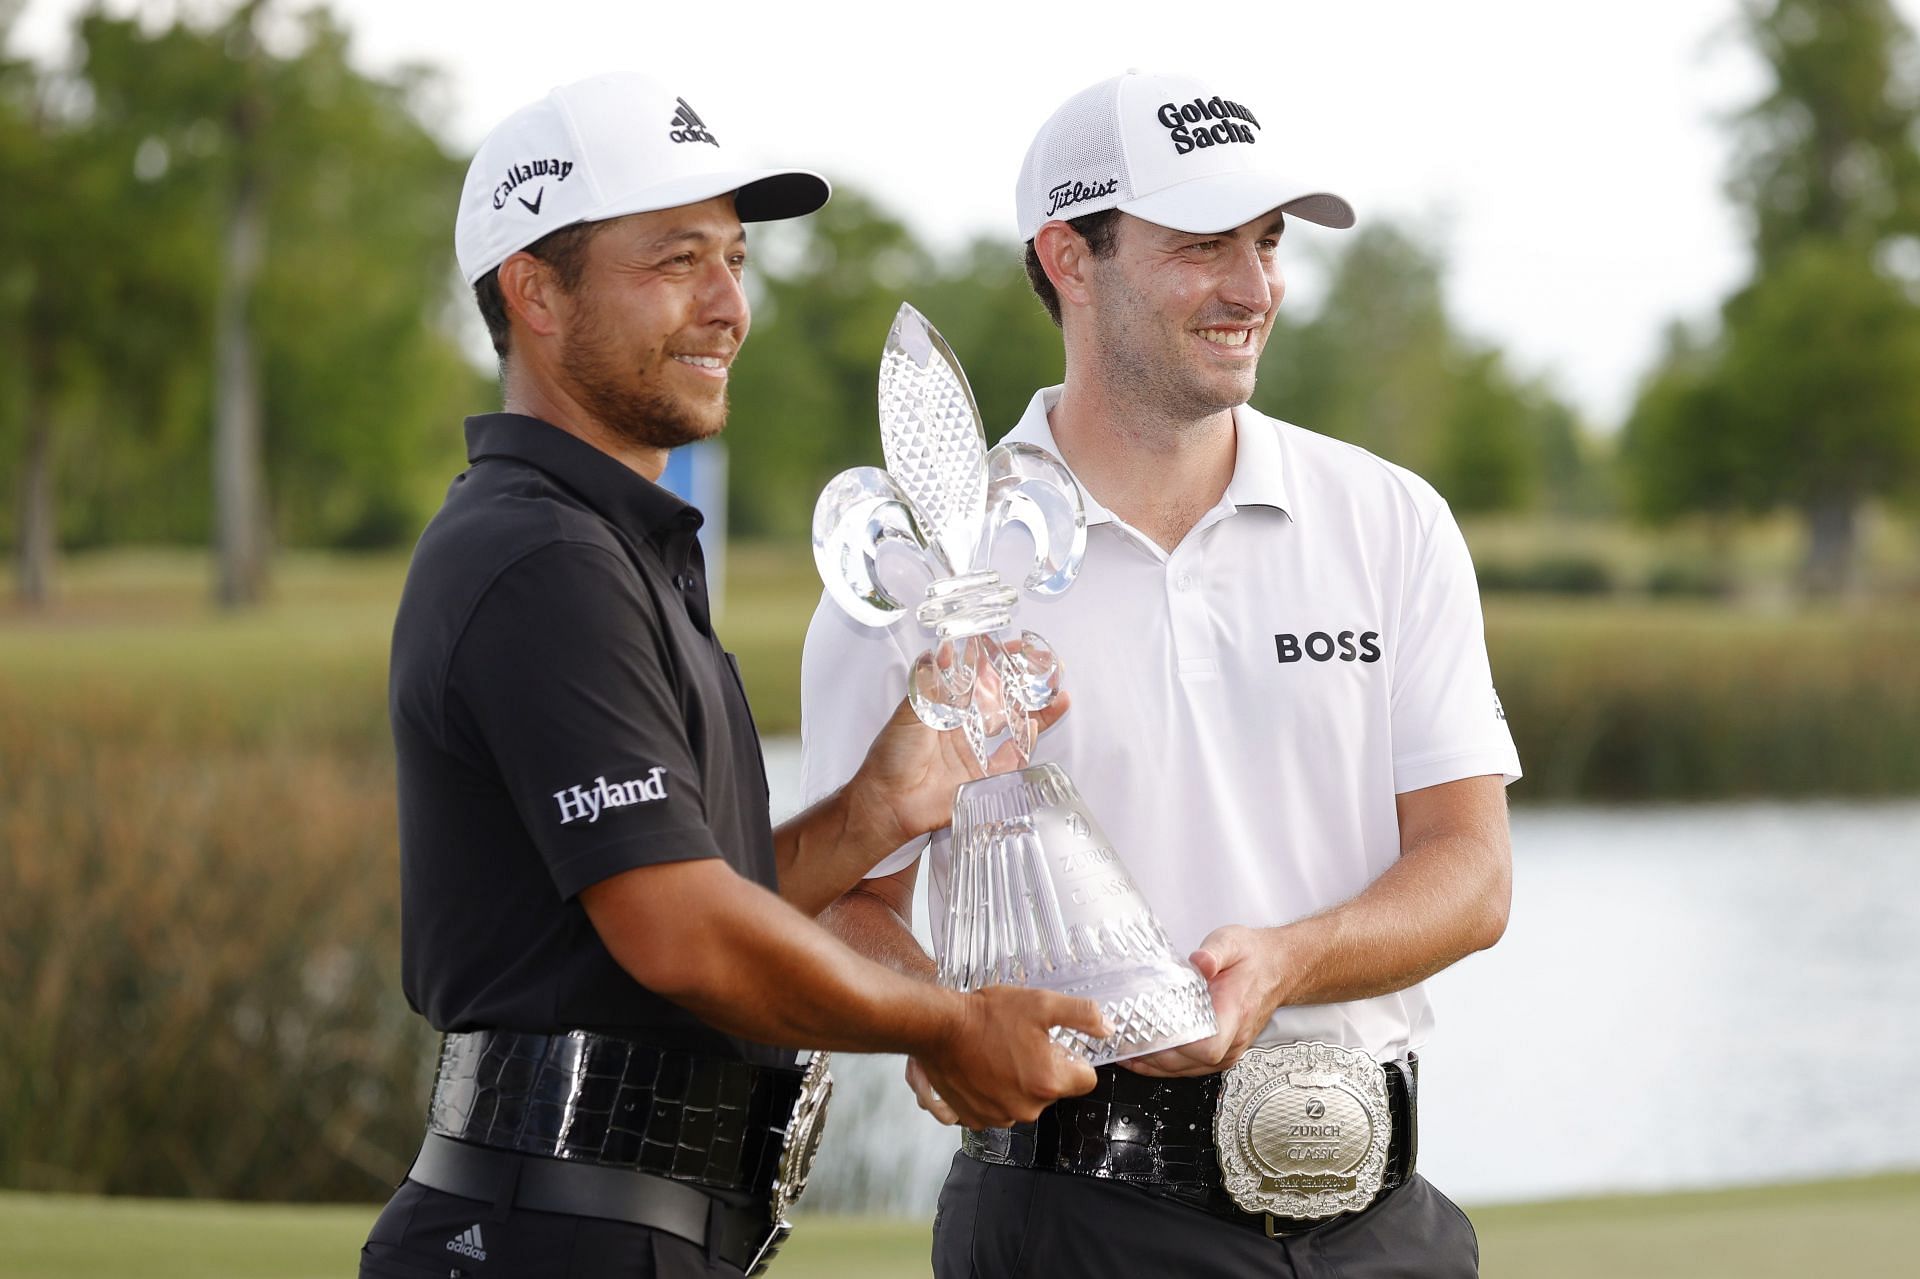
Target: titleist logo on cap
(1069,193)
(1206,122)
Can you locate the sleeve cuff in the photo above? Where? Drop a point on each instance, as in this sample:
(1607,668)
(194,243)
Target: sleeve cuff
(581,870)
(1421,771)
(898,860)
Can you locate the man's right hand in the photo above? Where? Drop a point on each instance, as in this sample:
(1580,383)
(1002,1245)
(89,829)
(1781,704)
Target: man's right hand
(1000,1066)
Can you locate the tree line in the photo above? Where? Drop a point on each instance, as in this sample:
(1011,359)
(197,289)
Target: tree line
(231,316)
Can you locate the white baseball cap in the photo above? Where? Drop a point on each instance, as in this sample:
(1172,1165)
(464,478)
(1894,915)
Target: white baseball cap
(1170,149)
(603,148)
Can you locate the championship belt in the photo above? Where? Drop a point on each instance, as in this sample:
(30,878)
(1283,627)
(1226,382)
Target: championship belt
(805,1127)
(1302,1130)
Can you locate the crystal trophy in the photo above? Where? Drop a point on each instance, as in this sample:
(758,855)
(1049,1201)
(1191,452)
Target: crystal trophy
(1037,894)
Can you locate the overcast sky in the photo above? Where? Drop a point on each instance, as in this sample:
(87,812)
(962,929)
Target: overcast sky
(1569,159)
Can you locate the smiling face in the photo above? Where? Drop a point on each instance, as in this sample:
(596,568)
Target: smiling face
(652,326)
(1179,320)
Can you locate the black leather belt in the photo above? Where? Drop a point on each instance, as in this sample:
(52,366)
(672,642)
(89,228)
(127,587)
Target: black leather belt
(742,1237)
(598,1126)
(1158,1134)
(599,1099)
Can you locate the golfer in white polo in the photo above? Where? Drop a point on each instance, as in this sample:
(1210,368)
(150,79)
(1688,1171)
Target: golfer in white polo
(1283,716)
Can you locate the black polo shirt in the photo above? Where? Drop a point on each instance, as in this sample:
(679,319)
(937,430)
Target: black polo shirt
(562,712)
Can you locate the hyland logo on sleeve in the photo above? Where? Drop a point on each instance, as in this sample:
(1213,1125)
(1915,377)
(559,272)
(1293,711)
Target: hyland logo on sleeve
(591,801)
(1068,194)
(519,173)
(1207,122)
(687,126)
(1323,646)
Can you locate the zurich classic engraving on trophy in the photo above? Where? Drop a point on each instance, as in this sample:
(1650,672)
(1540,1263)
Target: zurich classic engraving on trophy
(1038,896)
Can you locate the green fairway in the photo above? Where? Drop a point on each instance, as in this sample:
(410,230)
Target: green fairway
(1859,1227)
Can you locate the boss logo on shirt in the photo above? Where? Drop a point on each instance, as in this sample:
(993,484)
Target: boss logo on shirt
(590,801)
(1319,646)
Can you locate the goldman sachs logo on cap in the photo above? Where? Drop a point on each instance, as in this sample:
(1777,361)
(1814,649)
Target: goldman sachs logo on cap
(1206,122)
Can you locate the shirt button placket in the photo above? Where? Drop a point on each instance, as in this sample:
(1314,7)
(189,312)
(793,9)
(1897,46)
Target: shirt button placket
(1186,603)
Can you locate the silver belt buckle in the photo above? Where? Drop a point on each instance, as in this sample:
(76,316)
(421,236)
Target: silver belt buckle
(1302,1130)
(798,1146)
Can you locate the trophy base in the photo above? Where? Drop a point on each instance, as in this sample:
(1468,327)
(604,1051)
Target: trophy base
(1150,1008)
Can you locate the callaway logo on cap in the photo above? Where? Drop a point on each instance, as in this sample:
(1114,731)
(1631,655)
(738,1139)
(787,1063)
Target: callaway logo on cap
(1173,150)
(604,148)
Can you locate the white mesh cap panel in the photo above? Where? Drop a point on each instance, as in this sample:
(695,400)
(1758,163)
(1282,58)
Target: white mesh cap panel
(1077,163)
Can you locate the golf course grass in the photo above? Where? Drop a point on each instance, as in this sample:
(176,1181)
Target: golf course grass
(1856,1228)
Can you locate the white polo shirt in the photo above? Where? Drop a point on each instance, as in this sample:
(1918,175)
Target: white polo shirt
(1245,707)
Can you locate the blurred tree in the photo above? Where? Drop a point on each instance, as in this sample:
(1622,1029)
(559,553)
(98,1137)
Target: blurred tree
(1682,446)
(252,235)
(1809,394)
(1829,152)
(1821,367)
(86,292)
(1372,366)
(1383,366)
(984,307)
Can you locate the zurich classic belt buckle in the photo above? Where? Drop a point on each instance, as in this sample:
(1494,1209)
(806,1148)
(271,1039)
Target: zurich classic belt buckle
(797,1149)
(1302,1130)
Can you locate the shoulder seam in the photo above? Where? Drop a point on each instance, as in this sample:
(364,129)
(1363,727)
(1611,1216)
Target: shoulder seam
(1394,471)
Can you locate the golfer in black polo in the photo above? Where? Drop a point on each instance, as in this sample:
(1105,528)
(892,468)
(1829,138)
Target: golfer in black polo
(595,908)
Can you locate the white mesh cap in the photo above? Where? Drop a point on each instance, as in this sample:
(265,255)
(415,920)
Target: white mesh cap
(1172,150)
(603,148)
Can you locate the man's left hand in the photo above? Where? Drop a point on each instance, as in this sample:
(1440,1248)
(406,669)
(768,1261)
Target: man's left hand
(1241,968)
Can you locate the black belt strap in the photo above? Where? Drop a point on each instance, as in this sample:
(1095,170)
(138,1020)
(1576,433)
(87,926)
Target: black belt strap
(737,1235)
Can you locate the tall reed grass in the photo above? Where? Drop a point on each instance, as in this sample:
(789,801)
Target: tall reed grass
(1687,702)
(199,989)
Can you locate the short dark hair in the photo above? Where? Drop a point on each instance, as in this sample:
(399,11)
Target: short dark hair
(564,250)
(1098,230)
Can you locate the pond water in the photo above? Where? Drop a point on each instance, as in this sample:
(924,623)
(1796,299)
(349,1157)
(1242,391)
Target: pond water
(1691,995)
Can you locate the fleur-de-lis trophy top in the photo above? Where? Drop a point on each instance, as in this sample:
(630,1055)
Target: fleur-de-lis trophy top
(945,499)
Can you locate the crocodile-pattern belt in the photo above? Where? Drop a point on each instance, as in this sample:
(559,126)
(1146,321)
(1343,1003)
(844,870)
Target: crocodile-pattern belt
(1158,1134)
(598,1099)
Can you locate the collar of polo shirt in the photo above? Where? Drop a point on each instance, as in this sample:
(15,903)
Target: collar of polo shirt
(607,484)
(1259,463)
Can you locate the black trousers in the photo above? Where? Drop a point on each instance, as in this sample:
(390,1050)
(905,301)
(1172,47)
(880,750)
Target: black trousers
(998,1223)
(428,1234)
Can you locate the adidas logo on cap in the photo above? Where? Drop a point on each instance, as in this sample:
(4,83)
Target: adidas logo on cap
(469,1244)
(687,126)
